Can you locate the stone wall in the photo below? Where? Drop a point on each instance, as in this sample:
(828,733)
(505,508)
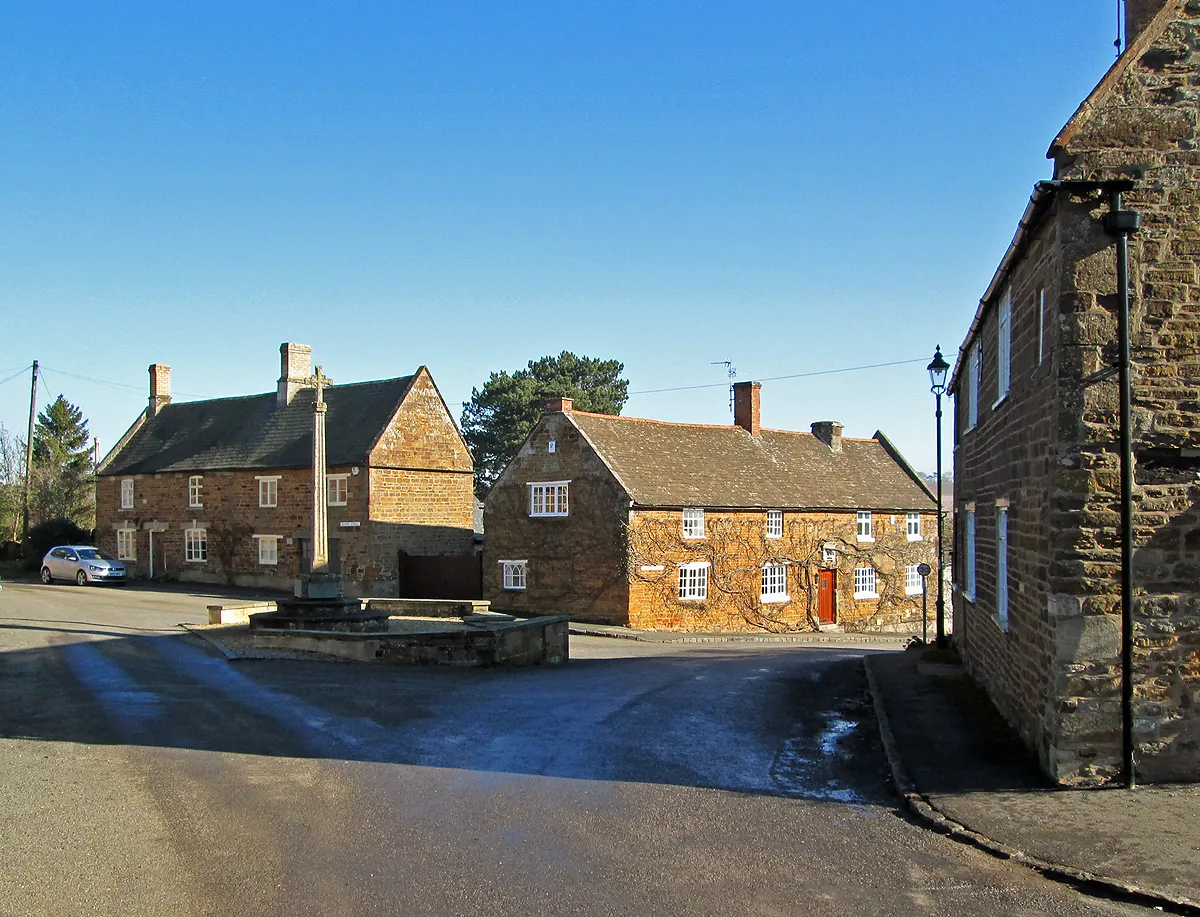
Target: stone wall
(1055,672)
(736,547)
(576,563)
(231,516)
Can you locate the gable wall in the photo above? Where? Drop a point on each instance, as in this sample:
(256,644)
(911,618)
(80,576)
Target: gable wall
(577,562)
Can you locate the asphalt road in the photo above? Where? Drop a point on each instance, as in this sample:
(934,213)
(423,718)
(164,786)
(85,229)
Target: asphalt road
(146,775)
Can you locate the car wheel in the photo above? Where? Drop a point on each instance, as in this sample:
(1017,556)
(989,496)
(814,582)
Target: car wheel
(46,577)
(81,578)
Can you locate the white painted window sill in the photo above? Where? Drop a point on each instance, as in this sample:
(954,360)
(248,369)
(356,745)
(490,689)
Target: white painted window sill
(913,591)
(865,539)
(774,599)
(514,588)
(916,537)
(866,595)
(999,401)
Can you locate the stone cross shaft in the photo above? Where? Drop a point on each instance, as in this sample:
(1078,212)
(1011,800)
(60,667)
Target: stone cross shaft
(320,516)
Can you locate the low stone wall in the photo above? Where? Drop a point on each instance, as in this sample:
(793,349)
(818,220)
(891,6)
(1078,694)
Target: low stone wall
(536,641)
(420,608)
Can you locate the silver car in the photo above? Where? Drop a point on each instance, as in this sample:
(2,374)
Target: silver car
(82,563)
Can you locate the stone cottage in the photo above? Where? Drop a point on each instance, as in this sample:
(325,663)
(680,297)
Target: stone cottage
(221,490)
(690,527)
(1036,472)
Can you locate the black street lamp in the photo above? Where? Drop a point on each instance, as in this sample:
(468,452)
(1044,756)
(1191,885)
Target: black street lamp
(937,384)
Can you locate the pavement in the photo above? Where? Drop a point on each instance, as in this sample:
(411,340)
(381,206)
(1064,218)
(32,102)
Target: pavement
(964,772)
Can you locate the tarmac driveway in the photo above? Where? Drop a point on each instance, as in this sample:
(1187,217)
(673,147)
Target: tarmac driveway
(149,775)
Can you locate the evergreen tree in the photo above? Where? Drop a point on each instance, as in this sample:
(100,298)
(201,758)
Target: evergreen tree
(63,480)
(500,415)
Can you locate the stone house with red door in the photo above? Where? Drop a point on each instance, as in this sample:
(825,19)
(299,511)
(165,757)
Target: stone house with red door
(221,490)
(690,527)
(1037,450)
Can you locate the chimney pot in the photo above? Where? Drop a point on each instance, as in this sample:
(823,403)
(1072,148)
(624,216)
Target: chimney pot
(160,387)
(559,405)
(746,407)
(830,433)
(295,367)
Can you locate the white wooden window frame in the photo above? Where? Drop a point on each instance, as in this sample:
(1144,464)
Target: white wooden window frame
(693,523)
(549,498)
(1041,307)
(829,554)
(268,491)
(864,526)
(774,523)
(1002,567)
(912,526)
(337,486)
(866,584)
(515,574)
(1003,346)
(126,544)
(974,383)
(913,581)
(195,491)
(774,584)
(127,493)
(969,555)
(268,549)
(693,581)
(195,545)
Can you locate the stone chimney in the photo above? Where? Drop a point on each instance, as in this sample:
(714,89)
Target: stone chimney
(295,367)
(745,407)
(160,387)
(559,405)
(1138,14)
(830,433)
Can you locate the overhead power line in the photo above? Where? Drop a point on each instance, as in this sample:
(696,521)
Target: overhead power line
(820,372)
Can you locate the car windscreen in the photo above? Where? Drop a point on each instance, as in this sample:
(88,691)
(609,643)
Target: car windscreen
(95,554)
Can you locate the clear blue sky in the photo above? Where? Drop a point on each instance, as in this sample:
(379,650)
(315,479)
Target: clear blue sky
(794,187)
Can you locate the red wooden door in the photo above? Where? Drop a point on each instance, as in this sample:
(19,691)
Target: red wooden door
(826,582)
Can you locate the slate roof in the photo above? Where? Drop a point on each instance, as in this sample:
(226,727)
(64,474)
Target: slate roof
(253,432)
(674,464)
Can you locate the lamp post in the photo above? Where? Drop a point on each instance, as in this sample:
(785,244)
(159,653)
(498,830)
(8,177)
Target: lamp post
(937,384)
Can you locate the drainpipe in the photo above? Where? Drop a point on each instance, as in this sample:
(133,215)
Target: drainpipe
(1122,224)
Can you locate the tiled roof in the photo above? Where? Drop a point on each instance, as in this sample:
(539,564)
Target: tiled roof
(673,464)
(253,432)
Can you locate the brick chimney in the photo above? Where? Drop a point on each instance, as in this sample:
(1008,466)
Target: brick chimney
(745,407)
(559,405)
(830,433)
(295,366)
(1138,14)
(160,387)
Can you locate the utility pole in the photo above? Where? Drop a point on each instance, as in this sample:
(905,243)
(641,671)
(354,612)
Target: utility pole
(29,453)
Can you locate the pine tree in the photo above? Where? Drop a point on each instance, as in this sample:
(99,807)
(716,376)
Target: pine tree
(63,479)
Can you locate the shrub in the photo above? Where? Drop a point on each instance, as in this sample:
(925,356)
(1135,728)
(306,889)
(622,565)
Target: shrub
(49,534)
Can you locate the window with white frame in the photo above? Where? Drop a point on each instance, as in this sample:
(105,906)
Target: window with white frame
(337,488)
(863,530)
(1003,345)
(913,526)
(548,499)
(829,555)
(195,484)
(913,581)
(774,523)
(693,523)
(864,583)
(774,583)
(693,580)
(268,491)
(515,573)
(1002,566)
(969,554)
(126,544)
(268,549)
(974,382)
(1041,307)
(127,494)
(195,546)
